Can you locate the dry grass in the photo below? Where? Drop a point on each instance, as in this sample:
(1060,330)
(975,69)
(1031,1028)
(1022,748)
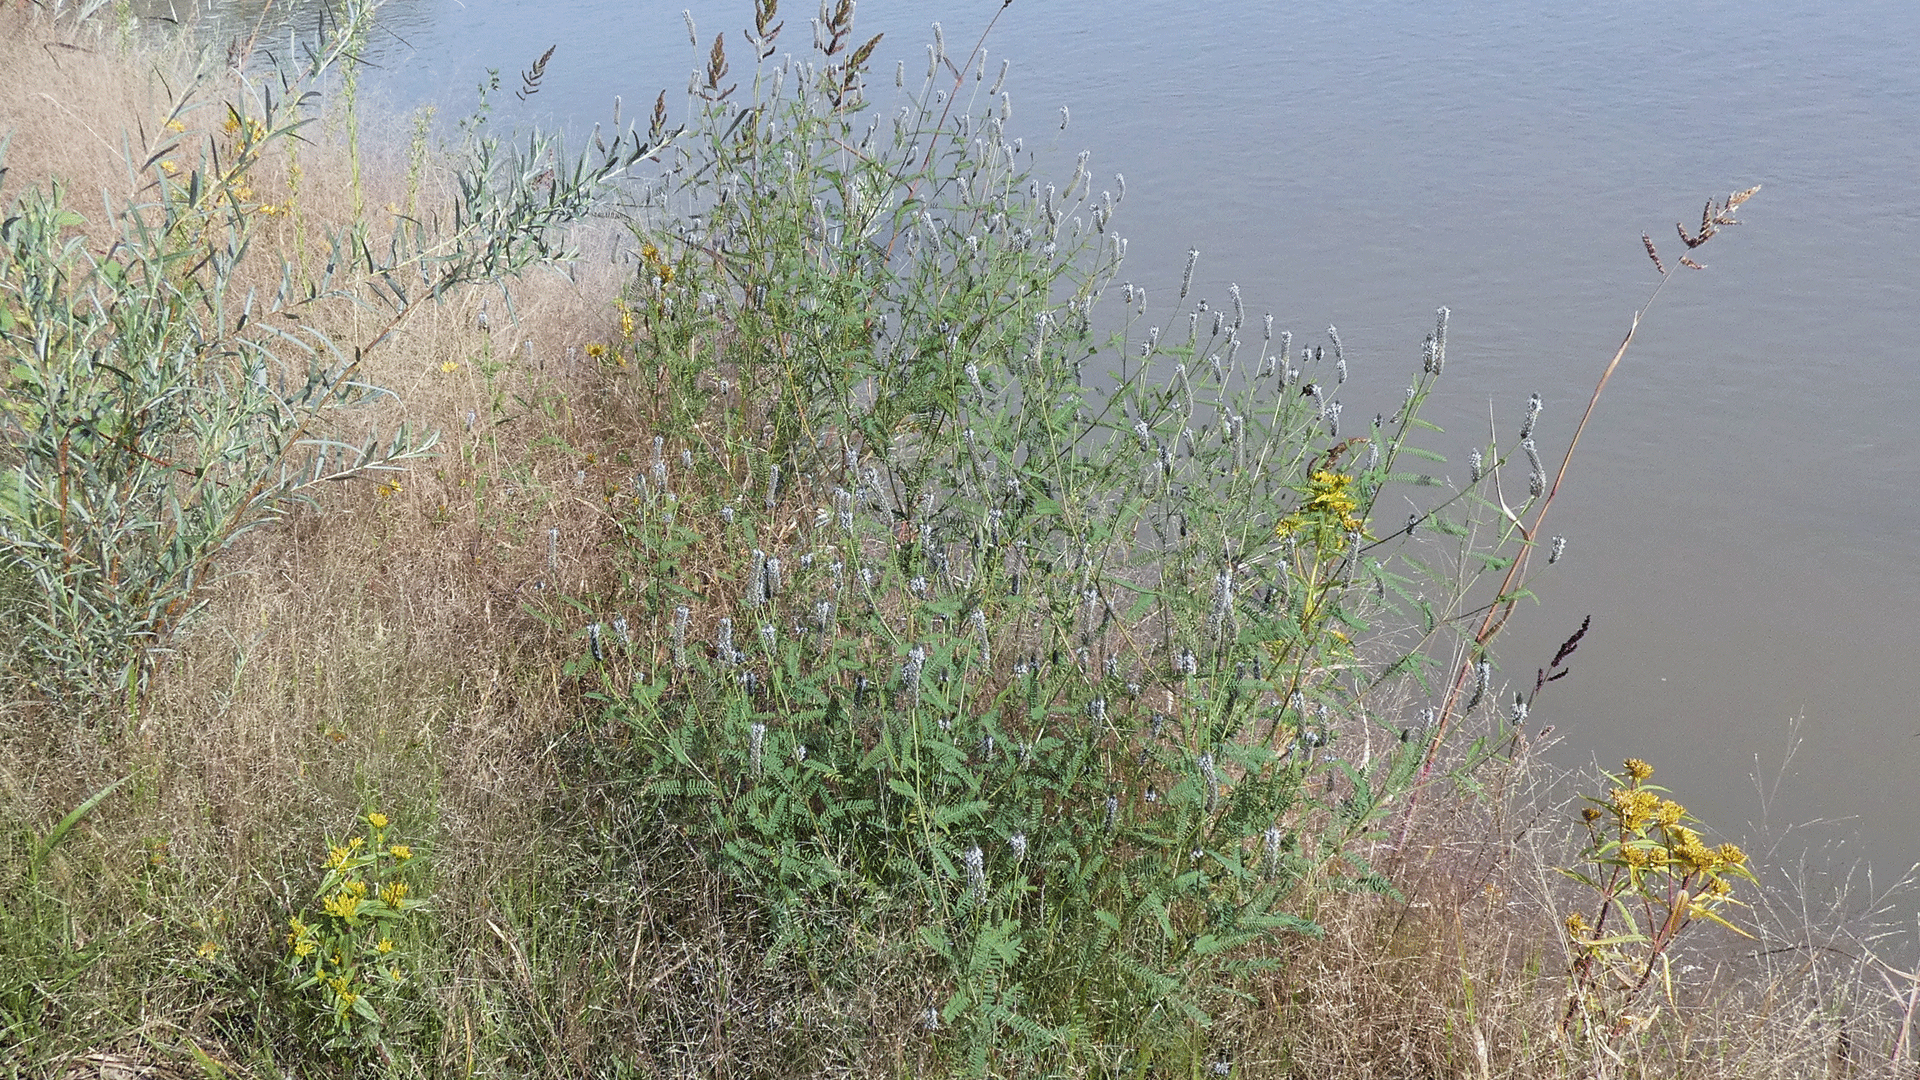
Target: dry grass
(407,651)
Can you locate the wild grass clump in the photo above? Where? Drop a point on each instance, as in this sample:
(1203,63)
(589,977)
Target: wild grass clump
(856,632)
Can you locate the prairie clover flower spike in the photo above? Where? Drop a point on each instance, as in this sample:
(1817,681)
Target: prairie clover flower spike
(1537,474)
(756,745)
(1557,549)
(976,870)
(1534,406)
(1018,844)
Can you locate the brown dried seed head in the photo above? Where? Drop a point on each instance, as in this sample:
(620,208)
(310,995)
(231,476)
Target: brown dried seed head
(1734,200)
(1652,254)
(1690,241)
(1686,261)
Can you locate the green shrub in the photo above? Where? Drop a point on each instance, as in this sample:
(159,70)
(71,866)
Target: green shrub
(173,382)
(1065,650)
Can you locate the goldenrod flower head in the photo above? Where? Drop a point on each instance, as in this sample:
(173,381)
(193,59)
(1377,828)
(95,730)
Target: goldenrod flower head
(449,367)
(1638,769)
(394,974)
(388,489)
(357,843)
(394,893)
(626,323)
(337,857)
(1719,886)
(1590,815)
(207,949)
(169,167)
(1635,857)
(356,889)
(341,905)
(401,852)
(1577,925)
(303,947)
(1731,855)
(1669,813)
(377,819)
(385,946)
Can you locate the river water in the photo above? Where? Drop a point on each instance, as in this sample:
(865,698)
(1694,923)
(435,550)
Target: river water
(1742,519)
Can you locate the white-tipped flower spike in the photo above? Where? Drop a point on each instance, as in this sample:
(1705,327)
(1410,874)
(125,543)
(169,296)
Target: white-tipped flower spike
(1556,550)
(620,631)
(680,617)
(1113,812)
(767,636)
(1018,844)
(1520,709)
(1211,778)
(756,745)
(1193,260)
(693,38)
(910,670)
(773,577)
(1476,464)
(1534,405)
(976,870)
(773,485)
(1065,115)
(800,752)
(757,585)
(1537,474)
(480,321)
(723,641)
(553,550)
(593,642)
(1271,842)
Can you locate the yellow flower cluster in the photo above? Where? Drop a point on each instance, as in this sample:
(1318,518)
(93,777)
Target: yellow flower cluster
(1328,510)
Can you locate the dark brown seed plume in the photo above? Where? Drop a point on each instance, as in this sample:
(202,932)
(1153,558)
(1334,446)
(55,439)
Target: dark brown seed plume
(1652,254)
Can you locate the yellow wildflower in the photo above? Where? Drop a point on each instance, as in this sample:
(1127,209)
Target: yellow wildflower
(385,946)
(626,323)
(449,367)
(358,889)
(357,843)
(595,350)
(1669,812)
(169,167)
(394,893)
(303,947)
(207,949)
(1590,815)
(1577,926)
(176,125)
(377,819)
(1732,856)
(1638,769)
(394,974)
(337,857)
(342,905)
(388,489)
(401,852)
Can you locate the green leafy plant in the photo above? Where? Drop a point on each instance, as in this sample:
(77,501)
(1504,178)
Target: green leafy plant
(1652,878)
(1062,647)
(348,959)
(166,393)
